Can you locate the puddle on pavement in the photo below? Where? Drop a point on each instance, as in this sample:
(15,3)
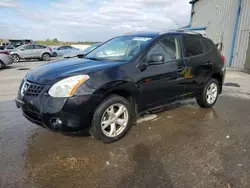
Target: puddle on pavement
(23,68)
(232,84)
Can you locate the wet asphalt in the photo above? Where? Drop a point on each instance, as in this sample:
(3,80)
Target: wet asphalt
(183,146)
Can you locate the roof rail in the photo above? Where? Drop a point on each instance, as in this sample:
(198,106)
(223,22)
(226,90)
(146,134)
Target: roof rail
(187,31)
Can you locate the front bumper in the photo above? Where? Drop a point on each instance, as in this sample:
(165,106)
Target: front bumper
(68,115)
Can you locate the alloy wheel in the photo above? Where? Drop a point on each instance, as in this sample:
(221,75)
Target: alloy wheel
(46,57)
(211,94)
(15,58)
(114,120)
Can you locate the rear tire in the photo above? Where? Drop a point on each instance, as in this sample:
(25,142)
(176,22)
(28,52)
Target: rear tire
(209,94)
(107,124)
(16,58)
(46,57)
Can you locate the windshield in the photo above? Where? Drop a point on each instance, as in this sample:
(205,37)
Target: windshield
(90,48)
(119,49)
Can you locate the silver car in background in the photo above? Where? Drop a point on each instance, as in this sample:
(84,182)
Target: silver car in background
(5,60)
(31,51)
(61,50)
(82,52)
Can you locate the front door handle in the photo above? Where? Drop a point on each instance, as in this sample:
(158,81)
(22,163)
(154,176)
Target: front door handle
(180,69)
(209,63)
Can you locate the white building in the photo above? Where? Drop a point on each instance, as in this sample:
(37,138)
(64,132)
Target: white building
(226,22)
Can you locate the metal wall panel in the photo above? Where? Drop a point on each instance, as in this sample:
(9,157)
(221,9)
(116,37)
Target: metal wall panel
(242,36)
(219,17)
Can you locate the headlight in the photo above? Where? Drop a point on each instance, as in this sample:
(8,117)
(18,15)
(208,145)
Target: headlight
(67,86)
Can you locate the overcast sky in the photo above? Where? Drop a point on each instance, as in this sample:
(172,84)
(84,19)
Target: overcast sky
(89,20)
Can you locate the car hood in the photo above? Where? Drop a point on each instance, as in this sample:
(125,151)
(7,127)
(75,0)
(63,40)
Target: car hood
(52,72)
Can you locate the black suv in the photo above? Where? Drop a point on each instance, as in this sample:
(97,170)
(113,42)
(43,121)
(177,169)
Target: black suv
(104,91)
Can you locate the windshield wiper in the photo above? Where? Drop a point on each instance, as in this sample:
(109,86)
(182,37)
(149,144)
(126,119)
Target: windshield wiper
(93,58)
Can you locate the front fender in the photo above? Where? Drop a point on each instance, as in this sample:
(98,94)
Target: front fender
(117,87)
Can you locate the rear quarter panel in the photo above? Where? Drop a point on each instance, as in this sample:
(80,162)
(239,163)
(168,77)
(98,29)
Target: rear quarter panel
(6,59)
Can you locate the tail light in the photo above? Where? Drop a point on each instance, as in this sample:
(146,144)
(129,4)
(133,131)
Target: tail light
(223,58)
(50,49)
(7,53)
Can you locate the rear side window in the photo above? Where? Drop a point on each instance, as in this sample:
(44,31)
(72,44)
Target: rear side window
(206,45)
(39,47)
(192,46)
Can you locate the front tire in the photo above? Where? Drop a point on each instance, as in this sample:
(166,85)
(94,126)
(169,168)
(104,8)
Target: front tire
(112,119)
(2,65)
(16,58)
(209,95)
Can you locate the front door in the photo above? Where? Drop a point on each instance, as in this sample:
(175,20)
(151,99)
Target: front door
(161,82)
(27,51)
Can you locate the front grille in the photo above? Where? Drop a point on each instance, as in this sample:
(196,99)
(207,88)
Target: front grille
(31,89)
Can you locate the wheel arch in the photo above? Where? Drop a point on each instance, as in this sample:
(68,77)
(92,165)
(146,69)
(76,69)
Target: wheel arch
(219,78)
(46,53)
(124,89)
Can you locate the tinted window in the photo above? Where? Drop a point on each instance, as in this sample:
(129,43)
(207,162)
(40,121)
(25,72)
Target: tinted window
(206,44)
(28,47)
(39,47)
(193,46)
(63,48)
(159,50)
(171,46)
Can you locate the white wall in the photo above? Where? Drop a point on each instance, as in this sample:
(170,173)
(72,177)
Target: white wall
(81,47)
(219,17)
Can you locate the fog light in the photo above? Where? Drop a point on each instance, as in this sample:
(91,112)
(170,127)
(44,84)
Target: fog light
(56,122)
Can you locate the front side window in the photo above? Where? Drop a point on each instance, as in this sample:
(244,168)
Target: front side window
(28,47)
(168,47)
(120,49)
(171,46)
(62,48)
(192,46)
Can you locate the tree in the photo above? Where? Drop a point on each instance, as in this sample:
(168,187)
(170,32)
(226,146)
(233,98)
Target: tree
(55,40)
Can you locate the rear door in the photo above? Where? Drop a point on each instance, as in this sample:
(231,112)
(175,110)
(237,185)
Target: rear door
(38,50)
(162,83)
(199,64)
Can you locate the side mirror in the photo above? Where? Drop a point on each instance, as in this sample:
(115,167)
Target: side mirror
(22,49)
(156,58)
